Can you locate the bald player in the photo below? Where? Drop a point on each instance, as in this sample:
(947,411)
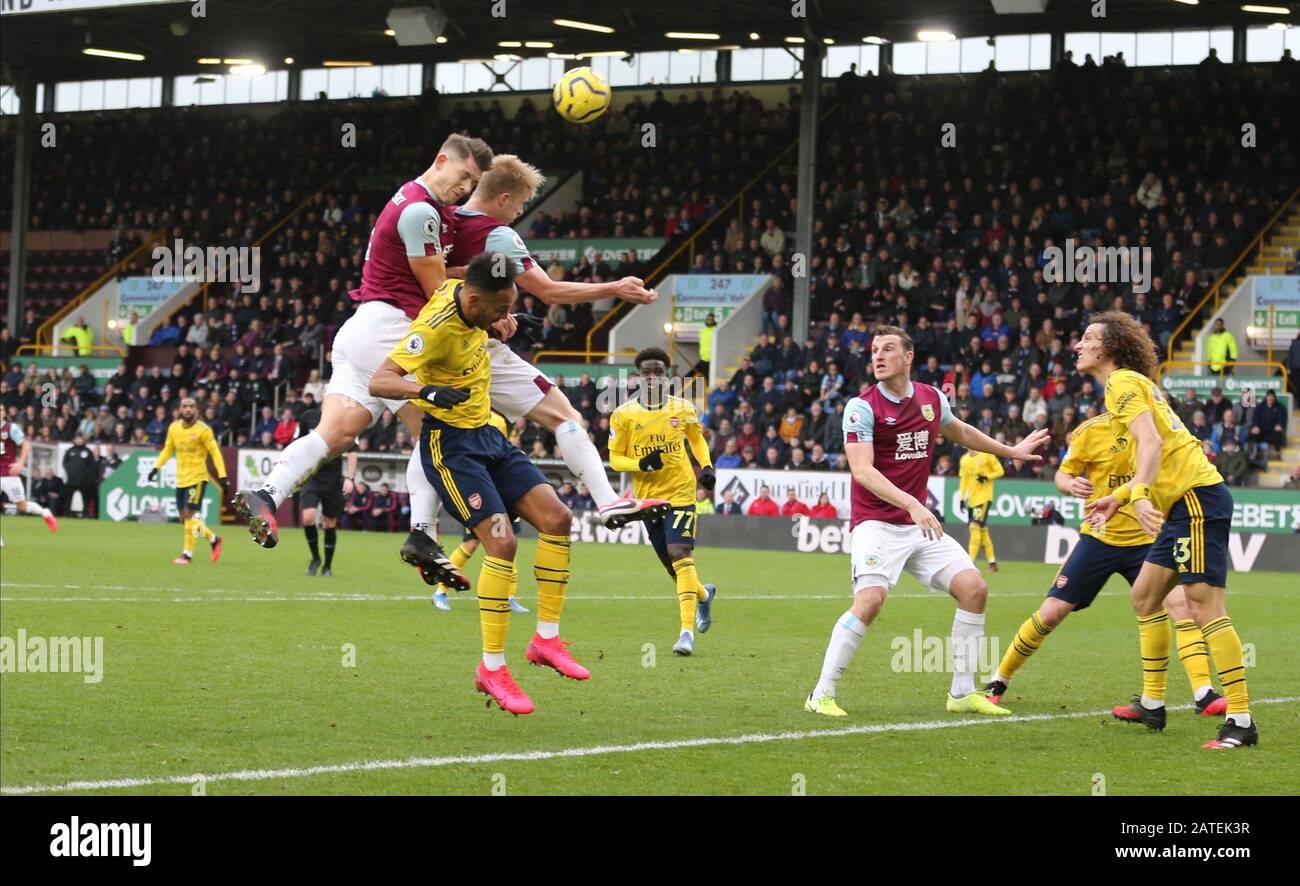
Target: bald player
(192,441)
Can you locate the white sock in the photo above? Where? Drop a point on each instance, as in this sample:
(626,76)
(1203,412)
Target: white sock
(494,660)
(581,457)
(845,637)
(548,630)
(424,498)
(300,459)
(1242,720)
(36,510)
(1005,681)
(1151,704)
(1202,692)
(967,631)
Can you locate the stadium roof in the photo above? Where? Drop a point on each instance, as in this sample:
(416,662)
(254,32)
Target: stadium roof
(314,31)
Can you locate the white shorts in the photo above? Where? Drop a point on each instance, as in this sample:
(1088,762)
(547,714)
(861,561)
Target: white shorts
(882,551)
(360,347)
(517,385)
(12,488)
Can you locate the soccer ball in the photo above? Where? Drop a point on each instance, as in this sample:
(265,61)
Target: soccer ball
(581,95)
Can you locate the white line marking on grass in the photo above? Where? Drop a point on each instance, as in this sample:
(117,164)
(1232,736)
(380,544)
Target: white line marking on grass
(566,753)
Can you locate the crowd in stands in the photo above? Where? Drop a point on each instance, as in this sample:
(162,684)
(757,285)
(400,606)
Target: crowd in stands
(947,242)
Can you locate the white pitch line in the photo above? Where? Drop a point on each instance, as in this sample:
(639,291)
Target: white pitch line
(323,597)
(566,753)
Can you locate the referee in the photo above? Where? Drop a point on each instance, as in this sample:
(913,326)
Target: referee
(323,492)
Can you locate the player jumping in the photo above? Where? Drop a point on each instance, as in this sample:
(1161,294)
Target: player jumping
(890,434)
(475,470)
(648,438)
(192,442)
(1172,477)
(11,473)
(1099,460)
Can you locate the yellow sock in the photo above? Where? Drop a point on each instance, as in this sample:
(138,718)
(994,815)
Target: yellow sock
(187,526)
(1153,638)
(689,591)
(551,569)
(494,581)
(1030,636)
(974,547)
(988,545)
(1193,653)
(1225,646)
(459,558)
(204,532)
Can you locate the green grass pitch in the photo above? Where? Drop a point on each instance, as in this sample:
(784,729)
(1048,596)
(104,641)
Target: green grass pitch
(236,671)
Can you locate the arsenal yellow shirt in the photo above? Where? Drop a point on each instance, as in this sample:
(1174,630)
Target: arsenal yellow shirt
(1105,458)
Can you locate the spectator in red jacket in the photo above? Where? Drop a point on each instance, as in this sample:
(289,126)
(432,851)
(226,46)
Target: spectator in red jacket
(824,508)
(793,507)
(763,506)
(287,430)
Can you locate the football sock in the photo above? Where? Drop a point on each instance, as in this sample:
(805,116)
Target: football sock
(967,631)
(35,510)
(1225,647)
(988,545)
(1194,655)
(689,591)
(1153,638)
(187,527)
(330,536)
(459,558)
(202,531)
(300,459)
(581,457)
(845,638)
(551,570)
(310,532)
(424,498)
(494,581)
(976,535)
(1027,640)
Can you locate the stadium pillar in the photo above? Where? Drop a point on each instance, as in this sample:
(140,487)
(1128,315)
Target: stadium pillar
(22,197)
(809,111)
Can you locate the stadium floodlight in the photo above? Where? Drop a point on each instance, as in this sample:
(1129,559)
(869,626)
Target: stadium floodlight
(603,52)
(691,35)
(253,70)
(668,328)
(793,39)
(1189,2)
(288,60)
(753,35)
(510,44)
(346,64)
(582,26)
(113,53)
(874,41)
(440,39)
(539,44)
(1267,10)
(389,32)
(209,61)
(936,36)
(237,61)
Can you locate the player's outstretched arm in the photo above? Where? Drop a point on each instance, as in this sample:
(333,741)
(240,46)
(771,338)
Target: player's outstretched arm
(862,458)
(973,438)
(568,292)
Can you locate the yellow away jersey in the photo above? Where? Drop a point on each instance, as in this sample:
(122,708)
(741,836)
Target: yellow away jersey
(442,348)
(973,492)
(192,445)
(635,430)
(1183,464)
(498,421)
(1103,453)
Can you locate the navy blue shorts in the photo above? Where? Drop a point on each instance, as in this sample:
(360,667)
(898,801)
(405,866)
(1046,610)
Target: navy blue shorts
(678,528)
(476,471)
(1194,539)
(190,497)
(1090,566)
(978,515)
